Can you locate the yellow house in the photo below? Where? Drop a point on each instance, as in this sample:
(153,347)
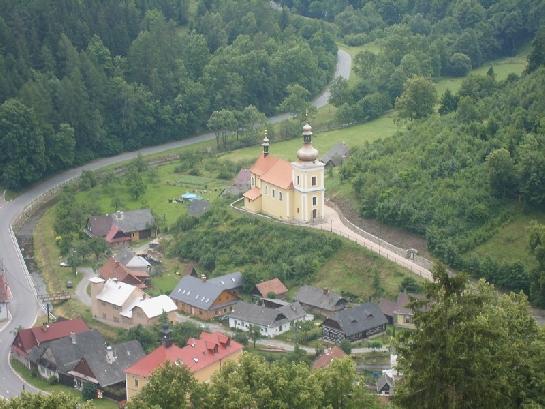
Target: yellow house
(202,357)
(288,191)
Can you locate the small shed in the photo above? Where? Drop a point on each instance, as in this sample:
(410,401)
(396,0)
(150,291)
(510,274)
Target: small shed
(336,155)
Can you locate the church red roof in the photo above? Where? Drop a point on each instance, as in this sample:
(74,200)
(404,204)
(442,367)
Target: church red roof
(273,170)
(196,355)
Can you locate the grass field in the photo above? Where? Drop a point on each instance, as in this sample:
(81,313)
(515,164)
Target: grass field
(43,385)
(353,269)
(510,243)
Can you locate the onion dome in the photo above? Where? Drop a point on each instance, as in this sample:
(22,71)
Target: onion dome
(307,153)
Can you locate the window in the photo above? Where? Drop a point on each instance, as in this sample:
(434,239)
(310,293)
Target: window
(279,195)
(274,193)
(136,382)
(314,200)
(253,181)
(298,181)
(314,181)
(265,189)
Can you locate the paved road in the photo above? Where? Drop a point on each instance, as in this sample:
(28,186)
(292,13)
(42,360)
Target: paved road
(24,306)
(81,288)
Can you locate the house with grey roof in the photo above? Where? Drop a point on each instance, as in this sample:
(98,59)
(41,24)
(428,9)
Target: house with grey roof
(240,184)
(86,357)
(122,226)
(205,298)
(336,155)
(270,321)
(354,323)
(320,301)
(198,207)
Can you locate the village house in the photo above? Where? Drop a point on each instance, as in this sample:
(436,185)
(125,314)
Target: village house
(320,301)
(86,357)
(202,357)
(125,305)
(270,321)
(328,356)
(28,338)
(386,382)
(122,226)
(205,298)
(397,312)
(271,288)
(5,296)
(127,267)
(336,155)
(240,184)
(354,323)
(288,191)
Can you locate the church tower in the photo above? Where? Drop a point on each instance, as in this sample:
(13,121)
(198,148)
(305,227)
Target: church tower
(308,182)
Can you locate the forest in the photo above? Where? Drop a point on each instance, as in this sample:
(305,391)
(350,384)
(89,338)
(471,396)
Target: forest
(84,79)
(455,177)
(429,39)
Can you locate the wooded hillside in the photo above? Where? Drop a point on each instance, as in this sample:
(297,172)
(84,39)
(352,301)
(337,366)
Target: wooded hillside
(82,79)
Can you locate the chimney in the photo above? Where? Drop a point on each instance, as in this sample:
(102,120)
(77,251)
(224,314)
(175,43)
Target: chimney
(110,357)
(45,327)
(203,277)
(73,337)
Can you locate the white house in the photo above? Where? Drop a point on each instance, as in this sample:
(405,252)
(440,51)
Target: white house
(270,321)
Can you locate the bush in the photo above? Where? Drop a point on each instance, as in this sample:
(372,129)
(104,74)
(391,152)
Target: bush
(52,380)
(89,391)
(346,346)
(241,337)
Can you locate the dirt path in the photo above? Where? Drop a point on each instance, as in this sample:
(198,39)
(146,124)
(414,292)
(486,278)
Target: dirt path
(81,288)
(332,222)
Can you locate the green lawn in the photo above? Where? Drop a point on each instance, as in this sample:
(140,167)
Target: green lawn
(42,384)
(352,136)
(510,243)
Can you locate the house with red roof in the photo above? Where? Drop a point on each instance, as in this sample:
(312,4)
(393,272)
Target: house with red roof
(28,338)
(122,226)
(286,190)
(274,287)
(202,357)
(128,268)
(328,356)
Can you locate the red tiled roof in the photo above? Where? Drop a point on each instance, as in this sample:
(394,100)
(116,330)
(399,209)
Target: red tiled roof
(253,193)
(31,337)
(110,237)
(114,269)
(263,164)
(196,355)
(279,174)
(274,286)
(324,360)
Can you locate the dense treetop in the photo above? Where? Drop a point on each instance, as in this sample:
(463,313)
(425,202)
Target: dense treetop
(81,79)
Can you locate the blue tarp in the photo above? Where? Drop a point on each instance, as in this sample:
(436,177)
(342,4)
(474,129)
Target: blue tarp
(191,196)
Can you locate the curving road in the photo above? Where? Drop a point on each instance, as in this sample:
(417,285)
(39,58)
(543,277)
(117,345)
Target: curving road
(24,306)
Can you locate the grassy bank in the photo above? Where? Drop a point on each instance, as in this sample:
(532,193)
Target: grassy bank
(43,385)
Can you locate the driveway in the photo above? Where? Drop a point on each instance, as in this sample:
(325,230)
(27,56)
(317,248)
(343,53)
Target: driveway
(81,288)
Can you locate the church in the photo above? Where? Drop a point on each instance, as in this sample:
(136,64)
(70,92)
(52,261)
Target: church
(288,191)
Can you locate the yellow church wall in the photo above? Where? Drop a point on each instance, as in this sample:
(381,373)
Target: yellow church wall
(253,205)
(276,201)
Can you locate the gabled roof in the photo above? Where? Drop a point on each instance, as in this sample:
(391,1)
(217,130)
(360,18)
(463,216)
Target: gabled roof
(31,337)
(116,292)
(99,225)
(279,174)
(359,318)
(400,306)
(108,366)
(263,164)
(133,220)
(198,207)
(325,359)
(253,193)
(320,298)
(202,294)
(274,286)
(152,307)
(228,281)
(124,255)
(336,154)
(270,317)
(196,355)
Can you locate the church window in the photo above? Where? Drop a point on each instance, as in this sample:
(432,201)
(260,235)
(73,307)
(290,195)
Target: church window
(298,181)
(297,210)
(279,195)
(314,200)
(253,181)
(265,189)
(274,193)
(314,181)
